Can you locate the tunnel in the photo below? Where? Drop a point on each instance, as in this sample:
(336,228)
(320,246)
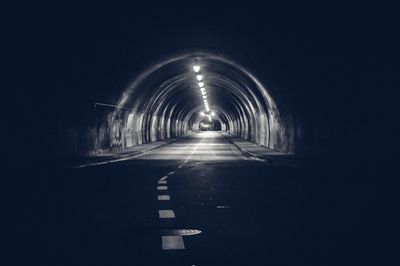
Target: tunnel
(166,100)
(200,134)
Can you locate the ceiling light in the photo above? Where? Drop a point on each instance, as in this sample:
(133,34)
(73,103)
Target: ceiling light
(196,68)
(203,92)
(199,77)
(204,97)
(201,84)
(212,113)
(202,114)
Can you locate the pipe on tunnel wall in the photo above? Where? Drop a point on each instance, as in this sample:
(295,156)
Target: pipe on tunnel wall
(163,102)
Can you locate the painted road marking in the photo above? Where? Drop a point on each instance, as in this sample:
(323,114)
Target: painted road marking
(162,182)
(194,149)
(166,214)
(172,242)
(164,177)
(164,197)
(180,166)
(234,150)
(171,173)
(223,207)
(122,158)
(162,187)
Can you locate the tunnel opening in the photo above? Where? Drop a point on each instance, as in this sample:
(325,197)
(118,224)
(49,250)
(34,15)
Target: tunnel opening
(206,125)
(170,98)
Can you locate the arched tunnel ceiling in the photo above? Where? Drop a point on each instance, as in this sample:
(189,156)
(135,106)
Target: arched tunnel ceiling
(166,98)
(219,73)
(322,69)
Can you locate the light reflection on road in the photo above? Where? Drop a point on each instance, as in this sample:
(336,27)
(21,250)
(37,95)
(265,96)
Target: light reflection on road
(203,146)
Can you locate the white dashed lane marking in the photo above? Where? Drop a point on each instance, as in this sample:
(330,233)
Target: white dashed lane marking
(168,242)
(166,214)
(164,177)
(172,242)
(164,197)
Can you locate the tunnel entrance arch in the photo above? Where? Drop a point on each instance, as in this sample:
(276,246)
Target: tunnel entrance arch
(164,102)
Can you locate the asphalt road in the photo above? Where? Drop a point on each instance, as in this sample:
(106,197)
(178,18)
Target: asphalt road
(199,201)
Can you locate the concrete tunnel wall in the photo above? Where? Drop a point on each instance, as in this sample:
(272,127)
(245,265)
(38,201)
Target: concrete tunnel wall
(162,103)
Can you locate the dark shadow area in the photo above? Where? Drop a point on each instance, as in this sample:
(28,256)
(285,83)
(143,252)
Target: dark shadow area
(85,217)
(216,125)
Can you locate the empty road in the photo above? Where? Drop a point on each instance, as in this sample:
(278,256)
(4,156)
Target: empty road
(200,201)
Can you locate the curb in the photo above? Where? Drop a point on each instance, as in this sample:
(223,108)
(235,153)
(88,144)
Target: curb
(123,157)
(264,158)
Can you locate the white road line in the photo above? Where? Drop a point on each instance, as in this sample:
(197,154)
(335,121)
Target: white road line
(172,242)
(171,173)
(162,182)
(164,197)
(164,177)
(180,166)
(162,187)
(236,152)
(166,214)
(194,149)
(121,159)
(257,159)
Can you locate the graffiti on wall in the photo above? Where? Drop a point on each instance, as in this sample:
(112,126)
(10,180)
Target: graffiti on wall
(116,132)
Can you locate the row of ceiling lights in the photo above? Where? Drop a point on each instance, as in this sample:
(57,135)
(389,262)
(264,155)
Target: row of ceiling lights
(203,91)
